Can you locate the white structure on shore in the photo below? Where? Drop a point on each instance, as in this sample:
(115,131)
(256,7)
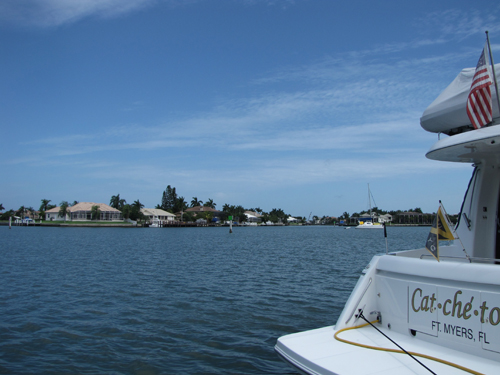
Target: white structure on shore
(157,216)
(253,217)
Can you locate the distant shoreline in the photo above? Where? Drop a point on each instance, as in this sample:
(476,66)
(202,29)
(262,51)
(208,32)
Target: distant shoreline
(178,225)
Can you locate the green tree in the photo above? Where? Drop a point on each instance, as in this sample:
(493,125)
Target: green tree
(2,207)
(133,211)
(116,202)
(138,205)
(345,215)
(180,204)
(137,215)
(169,199)
(126,211)
(7,214)
(210,203)
(195,202)
(239,214)
(95,212)
(45,205)
(278,215)
(265,217)
(74,203)
(187,216)
(64,209)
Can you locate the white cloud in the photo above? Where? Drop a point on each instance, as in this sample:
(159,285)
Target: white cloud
(47,13)
(458,24)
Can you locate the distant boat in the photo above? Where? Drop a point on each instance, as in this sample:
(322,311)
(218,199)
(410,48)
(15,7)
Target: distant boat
(155,223)
(369,224)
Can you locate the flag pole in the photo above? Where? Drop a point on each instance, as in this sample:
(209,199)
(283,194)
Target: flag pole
(385,235)
(493,69)
(454,232)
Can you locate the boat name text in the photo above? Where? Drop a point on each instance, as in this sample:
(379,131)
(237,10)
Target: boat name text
(455,307)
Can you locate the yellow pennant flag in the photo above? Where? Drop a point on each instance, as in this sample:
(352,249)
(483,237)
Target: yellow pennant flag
(440,231)
(443,226)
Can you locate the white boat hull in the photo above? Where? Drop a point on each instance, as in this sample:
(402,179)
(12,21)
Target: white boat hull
(401,289)
(369,225)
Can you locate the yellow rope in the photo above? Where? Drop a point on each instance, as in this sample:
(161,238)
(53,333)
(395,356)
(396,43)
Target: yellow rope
(400,351)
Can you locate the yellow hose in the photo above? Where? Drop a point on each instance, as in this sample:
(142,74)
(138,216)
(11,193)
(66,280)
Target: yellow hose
(400,351)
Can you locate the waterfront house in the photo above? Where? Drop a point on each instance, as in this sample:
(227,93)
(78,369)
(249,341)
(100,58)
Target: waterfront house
(83,212)
(198,209)
(253,217)
(157,215)
(198,212)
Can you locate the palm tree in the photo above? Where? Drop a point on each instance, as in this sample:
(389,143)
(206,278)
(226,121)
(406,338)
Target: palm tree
(209,216)
(138,205)
(95,212)
(45,204)
(180,204)
(126,211)
(64,209)
(113,202)
(74,203)
(210,203)
(21,211)
(2,207)
(116,202)
(195,202)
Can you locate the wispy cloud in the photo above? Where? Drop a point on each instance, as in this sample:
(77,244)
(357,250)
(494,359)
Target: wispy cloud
(458,24)
(342,106)
(53,13)
(48,13)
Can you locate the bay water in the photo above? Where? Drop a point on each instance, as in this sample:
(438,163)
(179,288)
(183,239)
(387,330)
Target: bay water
(174,300)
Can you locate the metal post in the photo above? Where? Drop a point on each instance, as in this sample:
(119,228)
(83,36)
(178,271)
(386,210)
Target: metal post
(493,70)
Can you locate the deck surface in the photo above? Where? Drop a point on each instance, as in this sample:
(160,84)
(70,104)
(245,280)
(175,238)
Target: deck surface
(318,352)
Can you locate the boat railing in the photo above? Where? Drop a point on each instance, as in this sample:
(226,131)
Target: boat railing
(469,259)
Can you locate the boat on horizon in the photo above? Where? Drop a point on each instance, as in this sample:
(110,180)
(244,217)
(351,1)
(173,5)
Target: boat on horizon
(369,224)
(437,308)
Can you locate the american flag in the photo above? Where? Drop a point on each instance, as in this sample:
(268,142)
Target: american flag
(479,99)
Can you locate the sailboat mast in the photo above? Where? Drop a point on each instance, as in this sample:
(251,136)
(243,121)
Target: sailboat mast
(369,201)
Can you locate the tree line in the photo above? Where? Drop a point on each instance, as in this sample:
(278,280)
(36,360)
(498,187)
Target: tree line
(173,203)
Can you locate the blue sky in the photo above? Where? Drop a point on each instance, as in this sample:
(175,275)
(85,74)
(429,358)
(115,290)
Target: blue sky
(293,104)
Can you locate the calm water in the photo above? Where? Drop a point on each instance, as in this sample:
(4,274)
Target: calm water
(173,300)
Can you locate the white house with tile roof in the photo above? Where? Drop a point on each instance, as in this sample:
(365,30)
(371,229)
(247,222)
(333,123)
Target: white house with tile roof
(156,214)
(82,212)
